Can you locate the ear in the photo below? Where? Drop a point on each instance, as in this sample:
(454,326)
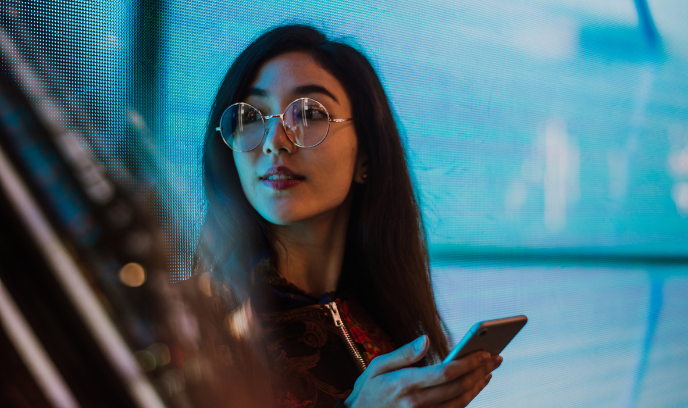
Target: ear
(361,170)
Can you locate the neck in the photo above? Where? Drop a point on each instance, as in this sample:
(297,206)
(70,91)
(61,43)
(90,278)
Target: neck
(310,253)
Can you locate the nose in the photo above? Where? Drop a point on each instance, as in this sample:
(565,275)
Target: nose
(276,139)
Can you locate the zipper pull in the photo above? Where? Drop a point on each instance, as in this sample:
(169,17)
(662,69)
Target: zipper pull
(335,313)
(348,340)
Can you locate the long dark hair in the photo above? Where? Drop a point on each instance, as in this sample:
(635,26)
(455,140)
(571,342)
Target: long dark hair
(386,259)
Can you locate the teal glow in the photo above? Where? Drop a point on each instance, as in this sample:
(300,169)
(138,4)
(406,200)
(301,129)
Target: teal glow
(540,134)
(547,125)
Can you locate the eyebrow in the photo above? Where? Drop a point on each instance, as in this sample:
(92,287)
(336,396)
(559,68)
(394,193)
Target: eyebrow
(299,90)
(256,92)
(309,89)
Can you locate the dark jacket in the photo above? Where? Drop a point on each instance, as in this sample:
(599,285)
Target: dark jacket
(316,347)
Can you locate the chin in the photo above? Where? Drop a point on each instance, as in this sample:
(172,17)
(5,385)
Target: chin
(291,211)
(282,216)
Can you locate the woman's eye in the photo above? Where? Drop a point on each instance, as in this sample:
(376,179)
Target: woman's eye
(313,113)
(250,117)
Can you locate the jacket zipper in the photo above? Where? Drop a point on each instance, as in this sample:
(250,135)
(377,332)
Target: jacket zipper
(339,322)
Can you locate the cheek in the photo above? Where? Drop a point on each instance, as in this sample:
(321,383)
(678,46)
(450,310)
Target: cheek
(335,169)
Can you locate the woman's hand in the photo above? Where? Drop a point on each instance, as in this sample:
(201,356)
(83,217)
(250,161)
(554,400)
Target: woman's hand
(386,383)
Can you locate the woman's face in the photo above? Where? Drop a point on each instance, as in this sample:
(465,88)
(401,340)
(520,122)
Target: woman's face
(287,184)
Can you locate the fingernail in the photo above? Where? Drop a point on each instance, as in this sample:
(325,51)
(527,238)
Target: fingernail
(497,360)
(484,356)
(419,344)
(488,378)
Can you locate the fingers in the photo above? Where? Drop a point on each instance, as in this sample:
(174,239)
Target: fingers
(463,388)
(464,399)
(468,382)
(442,373)
(399,358)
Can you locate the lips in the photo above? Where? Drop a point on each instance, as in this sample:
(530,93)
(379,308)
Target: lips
(281,178)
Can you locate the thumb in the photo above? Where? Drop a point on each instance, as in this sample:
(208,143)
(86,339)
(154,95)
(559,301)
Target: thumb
(401,357)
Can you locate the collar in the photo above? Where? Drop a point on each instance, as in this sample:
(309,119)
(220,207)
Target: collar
(268,283)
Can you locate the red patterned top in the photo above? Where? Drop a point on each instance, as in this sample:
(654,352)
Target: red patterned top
(364,331)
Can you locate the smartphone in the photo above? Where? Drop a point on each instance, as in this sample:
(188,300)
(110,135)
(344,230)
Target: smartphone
(489,335)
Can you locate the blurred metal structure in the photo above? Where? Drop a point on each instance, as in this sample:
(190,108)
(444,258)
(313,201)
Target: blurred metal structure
(89,317)
(63,223)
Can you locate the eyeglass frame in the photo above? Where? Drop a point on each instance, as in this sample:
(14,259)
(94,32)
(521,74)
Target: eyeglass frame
(284,126)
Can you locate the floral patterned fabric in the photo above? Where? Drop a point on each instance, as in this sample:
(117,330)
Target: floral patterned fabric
(293,402)
(365,332)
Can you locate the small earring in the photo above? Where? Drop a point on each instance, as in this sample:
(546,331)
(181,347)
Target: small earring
(364,176)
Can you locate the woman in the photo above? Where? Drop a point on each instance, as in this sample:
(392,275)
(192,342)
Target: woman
(311,209)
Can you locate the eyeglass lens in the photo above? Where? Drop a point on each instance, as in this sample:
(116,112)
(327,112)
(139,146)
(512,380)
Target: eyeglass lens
(242,127)
(306,122)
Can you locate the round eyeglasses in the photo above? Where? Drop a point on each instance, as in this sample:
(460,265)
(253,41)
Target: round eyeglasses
(306,123)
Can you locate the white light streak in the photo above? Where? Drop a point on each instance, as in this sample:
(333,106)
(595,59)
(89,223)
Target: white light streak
(33,354)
